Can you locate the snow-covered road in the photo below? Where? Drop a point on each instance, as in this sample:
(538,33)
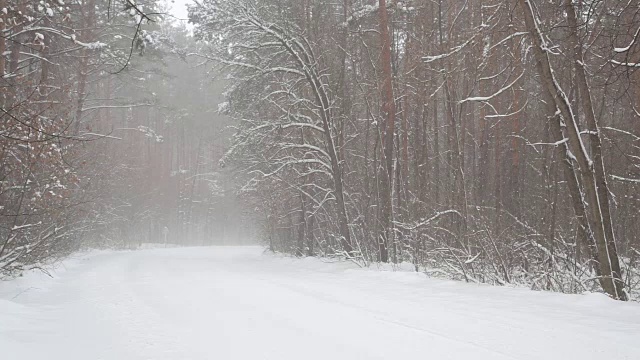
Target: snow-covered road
(238,303)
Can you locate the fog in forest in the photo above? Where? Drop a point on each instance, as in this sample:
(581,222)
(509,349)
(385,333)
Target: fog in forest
(319,179)
(483,141)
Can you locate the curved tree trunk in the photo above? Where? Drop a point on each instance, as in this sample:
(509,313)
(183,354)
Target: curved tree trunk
(607,260)
(595,145)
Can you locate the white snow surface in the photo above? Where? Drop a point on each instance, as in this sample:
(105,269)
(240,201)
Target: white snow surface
(241,303)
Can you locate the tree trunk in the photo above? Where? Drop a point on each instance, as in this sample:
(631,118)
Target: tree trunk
(388,114)
(607,261)
(595,146)
(3,48)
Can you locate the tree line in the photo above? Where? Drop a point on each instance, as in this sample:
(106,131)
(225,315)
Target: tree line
(489,141)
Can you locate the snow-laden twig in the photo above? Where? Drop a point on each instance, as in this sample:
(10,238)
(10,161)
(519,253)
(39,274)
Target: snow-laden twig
(497,93)
(631,43)
(620,178)
(453,51)
(426,221)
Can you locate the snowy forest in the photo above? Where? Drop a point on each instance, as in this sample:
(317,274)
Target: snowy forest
(487,141)
(108,134)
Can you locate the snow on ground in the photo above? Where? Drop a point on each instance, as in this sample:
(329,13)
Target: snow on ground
(239,303)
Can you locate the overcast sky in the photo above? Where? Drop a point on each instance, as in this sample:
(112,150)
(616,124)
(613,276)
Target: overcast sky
(178,8)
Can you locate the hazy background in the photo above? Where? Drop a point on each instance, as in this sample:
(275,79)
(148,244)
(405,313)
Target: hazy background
(178,8)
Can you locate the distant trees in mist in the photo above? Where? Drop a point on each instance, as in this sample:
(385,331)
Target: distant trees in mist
(101,142)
